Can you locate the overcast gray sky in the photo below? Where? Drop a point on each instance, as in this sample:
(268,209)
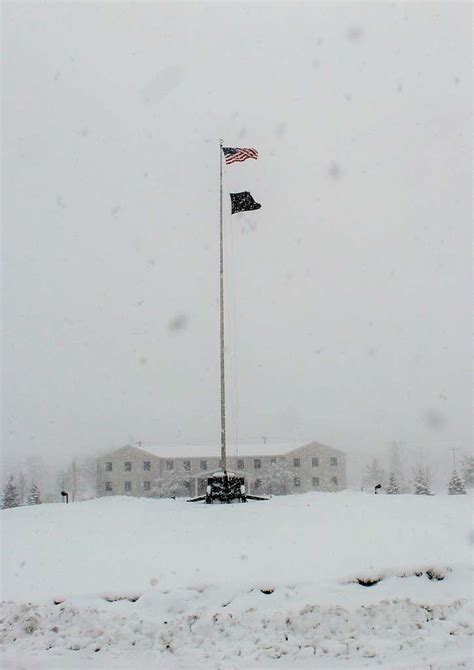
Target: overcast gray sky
(348,293)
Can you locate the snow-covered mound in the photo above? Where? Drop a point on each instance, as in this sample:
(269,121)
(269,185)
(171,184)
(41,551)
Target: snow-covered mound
(327,580)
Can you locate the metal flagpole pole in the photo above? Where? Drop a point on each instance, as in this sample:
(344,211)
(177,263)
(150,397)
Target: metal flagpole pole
(221,231)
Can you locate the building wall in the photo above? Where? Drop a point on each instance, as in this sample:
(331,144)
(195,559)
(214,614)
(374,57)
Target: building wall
(118,475)
(312,467)
(325,470)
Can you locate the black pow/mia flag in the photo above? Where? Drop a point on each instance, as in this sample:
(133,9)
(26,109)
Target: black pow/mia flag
(243,202)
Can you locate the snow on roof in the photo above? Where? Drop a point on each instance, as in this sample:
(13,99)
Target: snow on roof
(221,473)
(213,450)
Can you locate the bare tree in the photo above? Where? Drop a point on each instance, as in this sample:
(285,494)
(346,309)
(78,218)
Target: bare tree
(278,479)
(169,484)
(75,480)
(374,475)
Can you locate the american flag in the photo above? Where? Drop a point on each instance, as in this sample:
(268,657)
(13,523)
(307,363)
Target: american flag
(233,155)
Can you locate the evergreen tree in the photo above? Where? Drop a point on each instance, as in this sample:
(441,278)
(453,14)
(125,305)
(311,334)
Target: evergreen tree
(278,479)
(393,487)
(395,467)
(22,488)
(468,471)
(11,497)
(421,485)
(34,497)
(456,485)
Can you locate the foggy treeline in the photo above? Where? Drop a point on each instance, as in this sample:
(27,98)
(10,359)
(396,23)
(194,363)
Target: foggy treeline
(371,468)
(77,477)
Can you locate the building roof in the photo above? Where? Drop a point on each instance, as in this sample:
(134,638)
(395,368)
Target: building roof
(213,450)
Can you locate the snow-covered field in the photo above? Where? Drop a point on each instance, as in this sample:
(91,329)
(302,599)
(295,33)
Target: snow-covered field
(128,583)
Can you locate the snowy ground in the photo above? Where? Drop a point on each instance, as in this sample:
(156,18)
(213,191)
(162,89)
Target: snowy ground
(126,583)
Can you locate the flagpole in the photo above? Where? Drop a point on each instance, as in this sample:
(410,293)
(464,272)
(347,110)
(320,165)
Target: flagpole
(221,232)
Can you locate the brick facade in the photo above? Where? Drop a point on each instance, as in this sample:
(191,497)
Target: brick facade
(132,470)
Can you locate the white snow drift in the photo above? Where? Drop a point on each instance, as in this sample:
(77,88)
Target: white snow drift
(337,580)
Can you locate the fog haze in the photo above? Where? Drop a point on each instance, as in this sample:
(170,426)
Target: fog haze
(347,293)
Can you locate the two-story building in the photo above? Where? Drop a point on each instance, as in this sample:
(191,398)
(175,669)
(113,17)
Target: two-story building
(143,470)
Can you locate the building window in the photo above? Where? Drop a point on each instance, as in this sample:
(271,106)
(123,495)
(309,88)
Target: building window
(334,480)
(147,465)
(316,482)
(128,466)
(108,466)
(315,462)
(127,486)
(187,486)
(296,462)
(186,465)
(147,486)
(273,461)
(203,465)
(169,465)
(108,486)
(297,482)
(333,460)
(257,463)
(258,484)
(240,464)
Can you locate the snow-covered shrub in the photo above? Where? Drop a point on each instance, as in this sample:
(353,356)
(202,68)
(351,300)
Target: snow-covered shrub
(34,497)
(456,485)
(169,484)
(393,487)
(421,484)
